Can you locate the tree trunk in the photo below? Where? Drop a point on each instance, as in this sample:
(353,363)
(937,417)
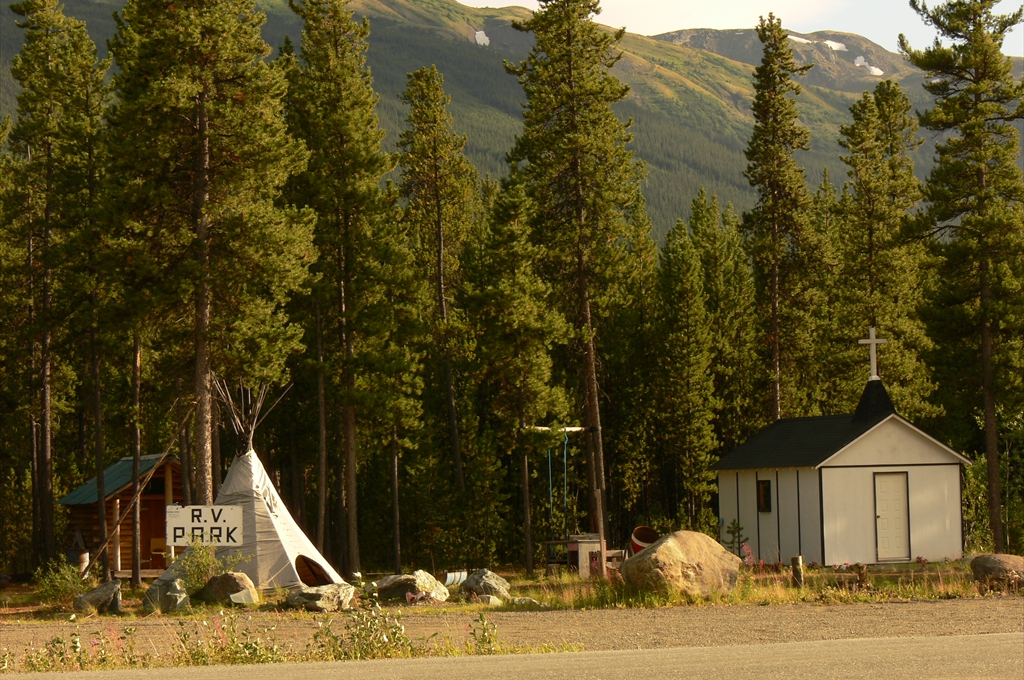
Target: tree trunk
(136,459)
(341,551)
(321,403)
(449,381)
(348,409)
(527,529)
(776,353)
(595,444)
(394,500)
(101,491)
(46,407)
(38,549)
(183,452)
(988,391)
(215,459)
(200,193)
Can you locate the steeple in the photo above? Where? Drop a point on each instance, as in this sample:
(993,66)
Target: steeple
(875,403)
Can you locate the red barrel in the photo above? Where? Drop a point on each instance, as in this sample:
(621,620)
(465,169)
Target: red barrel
(642,537)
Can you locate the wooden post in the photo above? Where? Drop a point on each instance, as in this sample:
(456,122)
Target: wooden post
(116,540)
(798,571)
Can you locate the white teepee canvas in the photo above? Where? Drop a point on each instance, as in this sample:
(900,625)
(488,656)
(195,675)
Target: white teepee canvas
(277,552)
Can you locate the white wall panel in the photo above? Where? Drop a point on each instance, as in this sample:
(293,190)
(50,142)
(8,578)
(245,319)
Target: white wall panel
(726,503)
(789,520)
(810,516)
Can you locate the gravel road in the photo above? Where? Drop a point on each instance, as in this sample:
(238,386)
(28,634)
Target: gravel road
(996,656)
(612,629)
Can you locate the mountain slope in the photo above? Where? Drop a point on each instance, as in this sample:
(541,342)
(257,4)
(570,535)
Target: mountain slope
(690,90)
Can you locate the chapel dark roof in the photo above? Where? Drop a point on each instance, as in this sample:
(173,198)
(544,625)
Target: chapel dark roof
(806,442)
(116,478)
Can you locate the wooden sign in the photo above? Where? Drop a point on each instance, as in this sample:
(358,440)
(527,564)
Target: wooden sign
(209,524)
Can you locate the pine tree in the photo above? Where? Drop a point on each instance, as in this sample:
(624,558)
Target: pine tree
(202,155)
(332,109)
(582,180)
(517,331)
(776,227)
(880,283)
(59,123)
(632,341)
(440,187)
(975,196)
(729,287)
(685,390)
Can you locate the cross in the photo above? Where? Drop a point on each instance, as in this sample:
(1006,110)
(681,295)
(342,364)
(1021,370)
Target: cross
(872,342)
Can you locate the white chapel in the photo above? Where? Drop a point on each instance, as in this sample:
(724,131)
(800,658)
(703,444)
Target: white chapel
(868,488)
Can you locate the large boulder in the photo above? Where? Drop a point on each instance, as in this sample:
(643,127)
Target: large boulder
(999,572)
(166,596)
(105,597)
(329,598)
(233,587)
(685,562)
(485,582)
(398,586)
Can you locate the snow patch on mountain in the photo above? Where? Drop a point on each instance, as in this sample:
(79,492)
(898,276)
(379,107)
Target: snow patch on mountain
(482,39)
(873,70)
(803,41)
(836,46)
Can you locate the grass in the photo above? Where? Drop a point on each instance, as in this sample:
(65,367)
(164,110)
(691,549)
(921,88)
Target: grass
(205,635)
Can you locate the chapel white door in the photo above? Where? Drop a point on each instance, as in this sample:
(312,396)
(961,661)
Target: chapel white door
(892,527)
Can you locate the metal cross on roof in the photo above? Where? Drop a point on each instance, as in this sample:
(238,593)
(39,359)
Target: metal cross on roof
(872,342)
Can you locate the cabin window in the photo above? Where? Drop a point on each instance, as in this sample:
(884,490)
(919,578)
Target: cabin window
(155,487)
(764,495)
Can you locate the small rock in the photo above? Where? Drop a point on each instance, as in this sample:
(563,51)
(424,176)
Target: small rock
(166,596)
(999,572)
(684,562)
(397,587)
(330,598)
(526,602)
(105,597)
(485,582)
(233,587)
(490,600)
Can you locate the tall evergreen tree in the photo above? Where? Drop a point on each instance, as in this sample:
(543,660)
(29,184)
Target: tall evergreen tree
(776,226)
(975,197)
(517,330)
(685,390)
(880,282)
(60,112)
(202,155)
(440,187)
(333,111)
(582,180)
(729,288)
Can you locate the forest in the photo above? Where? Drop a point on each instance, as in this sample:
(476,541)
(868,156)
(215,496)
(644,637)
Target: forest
(202,209)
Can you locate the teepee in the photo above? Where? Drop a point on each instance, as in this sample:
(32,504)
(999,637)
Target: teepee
(274,550)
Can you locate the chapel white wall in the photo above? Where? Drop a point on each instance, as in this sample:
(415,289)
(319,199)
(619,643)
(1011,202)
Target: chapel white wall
(893,441)
(849,512)
(793,527)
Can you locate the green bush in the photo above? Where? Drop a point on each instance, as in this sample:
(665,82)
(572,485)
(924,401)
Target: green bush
(59,582)
(199,563)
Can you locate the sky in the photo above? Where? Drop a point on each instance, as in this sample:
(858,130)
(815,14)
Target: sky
(880,21)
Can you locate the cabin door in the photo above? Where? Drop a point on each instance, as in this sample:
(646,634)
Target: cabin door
(892,525)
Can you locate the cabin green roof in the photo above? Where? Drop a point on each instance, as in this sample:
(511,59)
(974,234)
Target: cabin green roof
(116,478)
(807,442)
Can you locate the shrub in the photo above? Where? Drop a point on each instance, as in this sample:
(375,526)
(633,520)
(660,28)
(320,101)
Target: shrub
(199,563)
(59,582)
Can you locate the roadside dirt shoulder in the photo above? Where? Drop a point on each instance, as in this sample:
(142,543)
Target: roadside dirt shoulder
(601,629)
